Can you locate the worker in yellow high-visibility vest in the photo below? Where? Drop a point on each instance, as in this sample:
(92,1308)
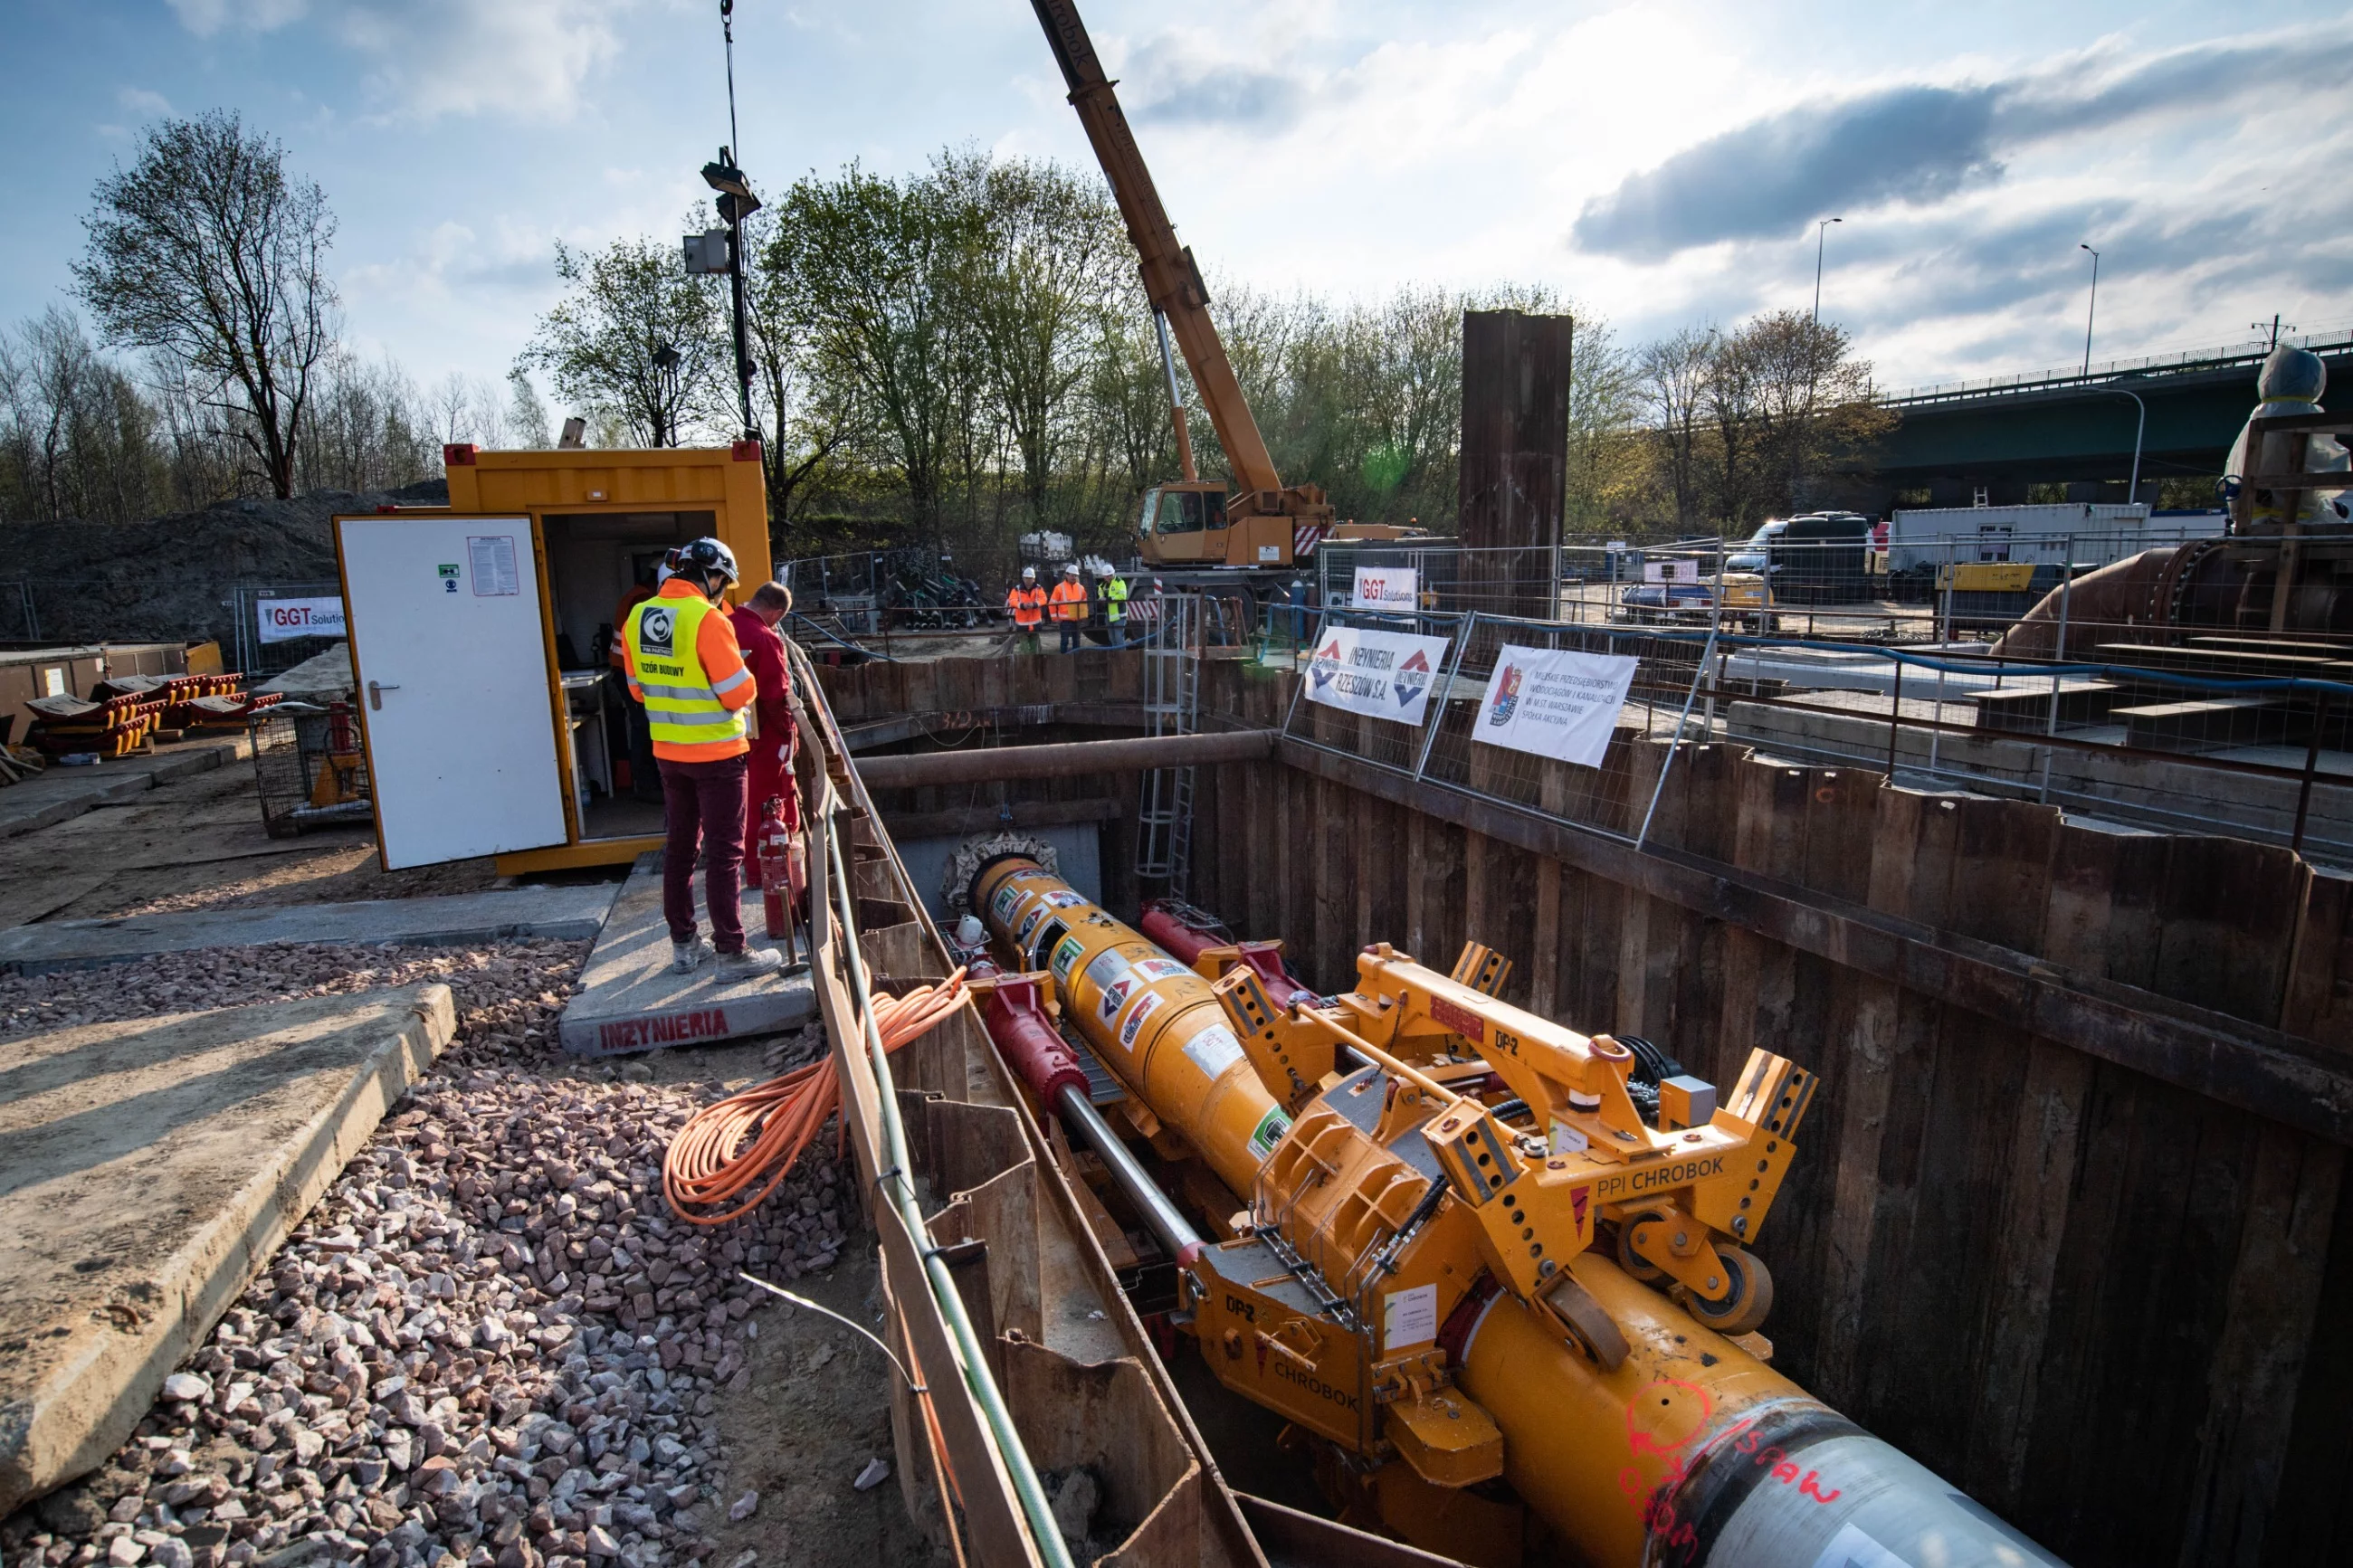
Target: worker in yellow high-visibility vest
(1068,608)
(1113,588)
(686,668)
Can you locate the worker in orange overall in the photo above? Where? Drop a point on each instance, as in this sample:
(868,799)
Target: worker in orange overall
(771,735)
(686,666)
(1026,603)
(1070,607)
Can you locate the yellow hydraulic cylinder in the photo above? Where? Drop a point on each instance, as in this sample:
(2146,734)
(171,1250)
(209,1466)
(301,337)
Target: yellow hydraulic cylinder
(1152,1021)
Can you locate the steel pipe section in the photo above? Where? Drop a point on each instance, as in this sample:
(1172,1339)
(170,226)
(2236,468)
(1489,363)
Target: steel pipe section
(1069,760)
(1168,1224)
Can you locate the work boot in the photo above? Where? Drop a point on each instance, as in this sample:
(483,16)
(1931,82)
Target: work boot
(750,963)
(686,957)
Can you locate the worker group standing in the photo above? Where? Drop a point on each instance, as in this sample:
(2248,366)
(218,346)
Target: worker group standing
(686,668)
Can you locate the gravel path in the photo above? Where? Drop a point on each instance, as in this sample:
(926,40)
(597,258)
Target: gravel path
(490,1344)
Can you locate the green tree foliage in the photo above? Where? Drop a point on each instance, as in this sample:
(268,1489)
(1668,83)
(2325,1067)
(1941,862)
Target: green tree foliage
(638,342)
(207,252)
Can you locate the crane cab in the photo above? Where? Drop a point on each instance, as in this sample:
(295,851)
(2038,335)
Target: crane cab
(1196,522)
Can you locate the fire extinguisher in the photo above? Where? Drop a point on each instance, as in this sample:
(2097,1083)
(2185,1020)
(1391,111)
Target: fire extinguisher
(783,855)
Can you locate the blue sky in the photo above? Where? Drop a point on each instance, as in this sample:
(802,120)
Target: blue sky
(1661,164)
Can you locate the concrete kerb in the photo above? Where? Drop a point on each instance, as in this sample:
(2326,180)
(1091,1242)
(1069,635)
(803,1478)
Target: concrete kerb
(113,1269)
(60,794)
(573,913)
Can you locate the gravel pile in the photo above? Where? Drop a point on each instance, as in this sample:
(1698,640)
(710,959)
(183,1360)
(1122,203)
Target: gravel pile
(491,1344)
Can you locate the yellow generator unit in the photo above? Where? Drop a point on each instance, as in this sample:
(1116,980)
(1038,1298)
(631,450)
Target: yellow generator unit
(1498,1270)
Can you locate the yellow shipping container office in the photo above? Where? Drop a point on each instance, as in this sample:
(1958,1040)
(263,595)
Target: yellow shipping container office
(478,632)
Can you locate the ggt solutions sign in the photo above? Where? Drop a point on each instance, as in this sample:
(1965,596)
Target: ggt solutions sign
(284,620)
(1391,589)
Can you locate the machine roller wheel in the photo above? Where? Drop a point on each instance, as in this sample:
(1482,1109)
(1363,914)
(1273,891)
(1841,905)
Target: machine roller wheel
(1745,1305)
(1633,1262)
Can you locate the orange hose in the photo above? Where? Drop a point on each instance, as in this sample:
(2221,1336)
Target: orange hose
(753,1139)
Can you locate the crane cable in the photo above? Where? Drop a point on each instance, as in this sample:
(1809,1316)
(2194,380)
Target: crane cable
(751,1140)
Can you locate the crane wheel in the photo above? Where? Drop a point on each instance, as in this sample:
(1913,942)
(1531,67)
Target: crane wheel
(1745,1305)
(1633,1262)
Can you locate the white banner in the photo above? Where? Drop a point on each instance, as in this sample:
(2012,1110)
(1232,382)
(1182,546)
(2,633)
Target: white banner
(284,620)
(1390,588)
(1670,571)
(1386,674)
(1555,703)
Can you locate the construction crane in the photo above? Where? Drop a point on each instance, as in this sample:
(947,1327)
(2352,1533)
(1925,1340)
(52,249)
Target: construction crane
(1493,1272)
(1260,524)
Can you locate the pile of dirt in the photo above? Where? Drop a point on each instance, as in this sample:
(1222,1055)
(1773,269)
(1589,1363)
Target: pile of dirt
(171,578)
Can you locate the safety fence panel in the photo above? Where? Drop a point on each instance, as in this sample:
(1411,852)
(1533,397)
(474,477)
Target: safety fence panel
(1462,742)
(2164,738)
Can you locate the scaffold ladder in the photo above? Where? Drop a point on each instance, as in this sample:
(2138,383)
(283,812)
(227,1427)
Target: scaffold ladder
(1172,706)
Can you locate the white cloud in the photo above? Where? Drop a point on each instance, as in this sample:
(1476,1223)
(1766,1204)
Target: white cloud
(205,17)
(139,101)
(523,58)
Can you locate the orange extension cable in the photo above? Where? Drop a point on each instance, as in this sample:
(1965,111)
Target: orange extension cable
(753,1139)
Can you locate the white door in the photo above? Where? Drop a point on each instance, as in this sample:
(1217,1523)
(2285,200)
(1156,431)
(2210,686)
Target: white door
(445,625)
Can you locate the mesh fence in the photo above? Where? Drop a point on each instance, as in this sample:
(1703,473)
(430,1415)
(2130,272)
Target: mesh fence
(2182,739)
(1447,748)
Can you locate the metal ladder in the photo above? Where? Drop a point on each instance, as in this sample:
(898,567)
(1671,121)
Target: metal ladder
(1172,706)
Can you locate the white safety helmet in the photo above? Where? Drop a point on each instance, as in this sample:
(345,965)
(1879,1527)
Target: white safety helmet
(706,556)
(1071,568)
(1029,573)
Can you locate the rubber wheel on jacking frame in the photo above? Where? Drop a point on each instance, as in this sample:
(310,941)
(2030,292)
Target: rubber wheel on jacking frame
(1633,1262)
(1749,1302)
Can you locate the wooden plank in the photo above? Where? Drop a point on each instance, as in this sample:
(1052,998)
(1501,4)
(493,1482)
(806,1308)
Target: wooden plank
(2001,870)
(1841,819)
(909,825)
(2227,925)
(1876,1043)
(2320,969)
(2242,1446)
(2312,1520)
(2235,1062)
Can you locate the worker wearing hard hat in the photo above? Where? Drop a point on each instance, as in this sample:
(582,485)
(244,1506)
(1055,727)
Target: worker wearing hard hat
(1027,605)
(688,669)
(772,732)
(1114,600)
(1070,607)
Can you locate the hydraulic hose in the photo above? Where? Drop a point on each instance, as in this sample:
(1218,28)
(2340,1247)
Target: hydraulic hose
(1044,1532)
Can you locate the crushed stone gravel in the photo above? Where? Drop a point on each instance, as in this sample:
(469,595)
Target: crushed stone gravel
(490,1344)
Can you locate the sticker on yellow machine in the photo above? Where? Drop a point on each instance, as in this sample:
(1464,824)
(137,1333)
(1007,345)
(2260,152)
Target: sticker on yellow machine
(1408,1318)
(1146,1006)
(1114,996)
(1029,923)
(1269,1132)
(1153,969)
(1213,1049)
(1007,899)
(1066,954)
(1109,968)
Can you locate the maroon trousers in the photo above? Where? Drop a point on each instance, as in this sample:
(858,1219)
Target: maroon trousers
(702,808)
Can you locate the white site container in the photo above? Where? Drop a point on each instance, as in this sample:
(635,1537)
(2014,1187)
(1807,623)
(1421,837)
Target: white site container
(2090,534)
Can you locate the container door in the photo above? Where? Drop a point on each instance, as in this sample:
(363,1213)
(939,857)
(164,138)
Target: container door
(452,659)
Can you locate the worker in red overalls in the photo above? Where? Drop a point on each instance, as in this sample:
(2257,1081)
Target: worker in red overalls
(772,713)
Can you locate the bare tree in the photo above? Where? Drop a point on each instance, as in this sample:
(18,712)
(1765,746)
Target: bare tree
(207,250)
(637,341)
(1674,374)
(524,427)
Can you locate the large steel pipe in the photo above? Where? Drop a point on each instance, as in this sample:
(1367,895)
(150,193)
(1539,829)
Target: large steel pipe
(1069,760)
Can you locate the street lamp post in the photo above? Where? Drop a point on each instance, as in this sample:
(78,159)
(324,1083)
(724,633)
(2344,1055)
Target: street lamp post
(2091,310)
(1821,230)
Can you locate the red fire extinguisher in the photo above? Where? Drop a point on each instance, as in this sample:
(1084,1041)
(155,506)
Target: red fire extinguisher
(783,855)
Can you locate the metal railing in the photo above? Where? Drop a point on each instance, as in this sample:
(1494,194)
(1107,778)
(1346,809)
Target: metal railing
(2331,339)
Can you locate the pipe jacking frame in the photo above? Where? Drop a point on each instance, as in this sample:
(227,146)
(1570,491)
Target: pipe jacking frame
(1490,1266)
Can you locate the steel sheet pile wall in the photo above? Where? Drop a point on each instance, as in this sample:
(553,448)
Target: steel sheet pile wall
(2067,1216)
(1514,475)
(1070,1357)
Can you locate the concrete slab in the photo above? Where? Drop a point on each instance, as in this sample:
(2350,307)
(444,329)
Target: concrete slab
(59,793)
(568,913)
(148,1170)
(630,1001)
